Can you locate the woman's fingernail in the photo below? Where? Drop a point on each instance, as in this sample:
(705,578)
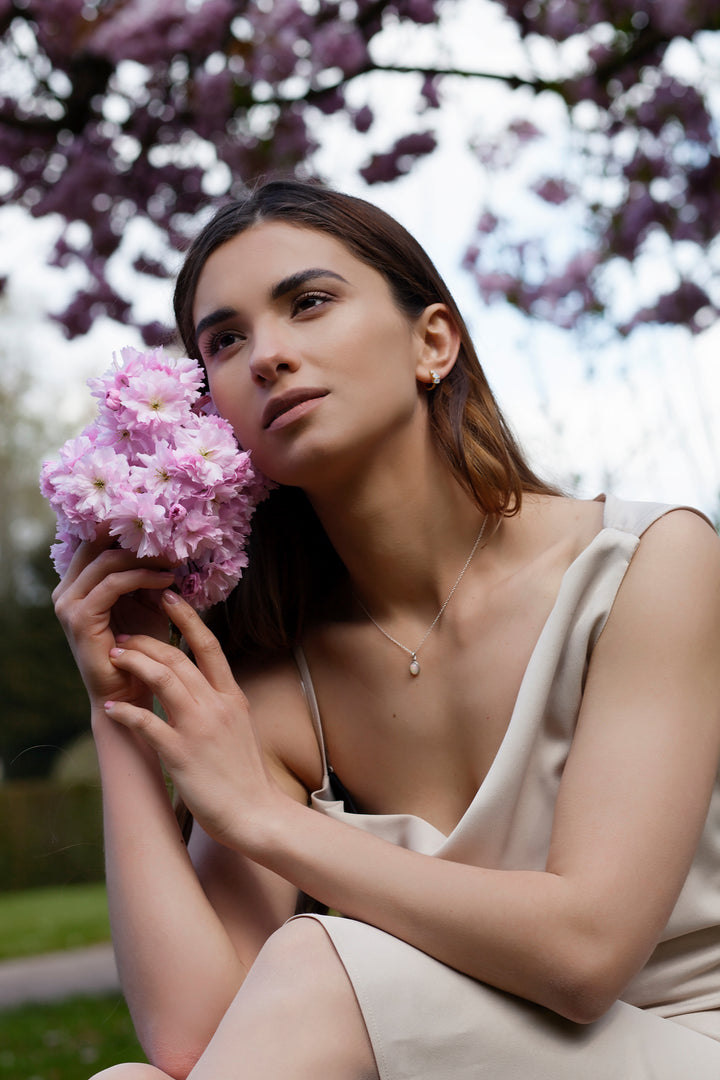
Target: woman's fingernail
(108,705)
(116,652)
(170,597)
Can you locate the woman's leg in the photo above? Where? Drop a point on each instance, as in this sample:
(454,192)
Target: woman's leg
(132,1071)
(295,1017)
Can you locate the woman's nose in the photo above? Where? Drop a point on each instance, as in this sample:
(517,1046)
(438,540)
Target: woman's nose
(271,354)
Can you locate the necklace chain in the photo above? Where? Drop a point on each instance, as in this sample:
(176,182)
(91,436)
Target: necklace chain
(412,653)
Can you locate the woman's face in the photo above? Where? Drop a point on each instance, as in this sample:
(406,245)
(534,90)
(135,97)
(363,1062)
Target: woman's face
(306,352)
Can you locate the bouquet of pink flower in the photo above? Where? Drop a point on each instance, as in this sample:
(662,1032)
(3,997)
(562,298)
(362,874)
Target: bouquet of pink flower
(162,472)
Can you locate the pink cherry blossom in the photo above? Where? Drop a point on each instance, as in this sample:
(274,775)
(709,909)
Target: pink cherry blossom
(156,402)
(138,521)
(94,482)
(165,473)
(209,452)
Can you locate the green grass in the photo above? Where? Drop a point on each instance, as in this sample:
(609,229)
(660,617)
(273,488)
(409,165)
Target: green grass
(70,1040)
(45,920)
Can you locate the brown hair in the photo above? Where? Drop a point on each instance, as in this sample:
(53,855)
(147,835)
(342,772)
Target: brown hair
(293,568)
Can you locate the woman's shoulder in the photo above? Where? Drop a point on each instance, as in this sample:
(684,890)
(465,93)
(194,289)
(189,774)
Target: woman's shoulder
(636,516)
(558,527)
(680,545)
(551,517)
(676,545)
(672,583)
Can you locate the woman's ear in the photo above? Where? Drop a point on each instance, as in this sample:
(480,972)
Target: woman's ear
(439,345)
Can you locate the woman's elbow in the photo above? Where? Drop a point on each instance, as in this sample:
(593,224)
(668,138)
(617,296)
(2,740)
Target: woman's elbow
(173,1061)
(585,1004)
(589,984)
(171,1049)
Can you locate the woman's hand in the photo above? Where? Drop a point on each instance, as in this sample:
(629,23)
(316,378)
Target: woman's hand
(107,592)
(208,744)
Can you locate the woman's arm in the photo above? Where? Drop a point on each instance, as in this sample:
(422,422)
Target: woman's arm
(631,807)
(187,924)
(174,929)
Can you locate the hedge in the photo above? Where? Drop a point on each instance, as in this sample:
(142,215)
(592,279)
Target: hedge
(51,834)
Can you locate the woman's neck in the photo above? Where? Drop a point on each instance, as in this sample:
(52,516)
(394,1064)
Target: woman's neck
(403,534)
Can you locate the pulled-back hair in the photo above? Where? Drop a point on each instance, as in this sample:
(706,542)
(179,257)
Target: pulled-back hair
(293,568)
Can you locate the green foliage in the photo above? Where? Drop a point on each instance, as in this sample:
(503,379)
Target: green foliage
(43,698)
(66,1041)
(51,834)
(46,920)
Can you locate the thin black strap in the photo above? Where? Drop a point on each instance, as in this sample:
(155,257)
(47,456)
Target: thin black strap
(341,793)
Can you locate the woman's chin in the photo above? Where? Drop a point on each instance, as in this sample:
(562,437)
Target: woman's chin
(303,467)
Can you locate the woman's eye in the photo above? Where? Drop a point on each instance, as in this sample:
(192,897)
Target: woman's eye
(308,301)
(223,339)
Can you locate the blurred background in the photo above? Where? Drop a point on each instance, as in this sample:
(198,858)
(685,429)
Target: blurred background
(557,158)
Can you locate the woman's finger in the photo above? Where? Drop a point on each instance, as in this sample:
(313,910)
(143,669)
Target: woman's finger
(79,611)
(137,647)
(86,553)
(94,567)
(111,588)
(173,678)
(203,644)
(156,733)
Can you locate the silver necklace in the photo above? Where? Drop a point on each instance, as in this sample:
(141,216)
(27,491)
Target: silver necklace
(412,653)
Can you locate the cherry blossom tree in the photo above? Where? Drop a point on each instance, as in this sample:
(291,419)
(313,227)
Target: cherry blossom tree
(115,111)
(635,183)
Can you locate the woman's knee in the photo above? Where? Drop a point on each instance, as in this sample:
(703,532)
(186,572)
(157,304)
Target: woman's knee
(301,954)
(303,937)
(298,986)
(131,1071)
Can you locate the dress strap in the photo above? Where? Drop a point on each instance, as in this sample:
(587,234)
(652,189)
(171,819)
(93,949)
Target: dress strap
(332,784)
(636,517)
(311,698)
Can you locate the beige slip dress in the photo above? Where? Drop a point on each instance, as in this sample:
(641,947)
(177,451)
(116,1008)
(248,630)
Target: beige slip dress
(427,1021)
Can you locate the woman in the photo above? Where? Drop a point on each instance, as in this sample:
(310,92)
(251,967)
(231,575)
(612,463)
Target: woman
(520,692)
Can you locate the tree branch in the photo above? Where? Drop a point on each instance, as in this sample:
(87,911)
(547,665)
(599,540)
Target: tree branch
(644,43)
(512,81)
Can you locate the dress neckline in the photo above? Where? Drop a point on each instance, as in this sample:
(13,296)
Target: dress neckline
(324,794)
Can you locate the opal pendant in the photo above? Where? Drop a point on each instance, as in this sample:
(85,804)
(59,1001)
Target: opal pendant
(414,666)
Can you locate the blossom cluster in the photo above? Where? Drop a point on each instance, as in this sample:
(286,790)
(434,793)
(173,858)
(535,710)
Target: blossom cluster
(238,88)
(161,473)
(177,87)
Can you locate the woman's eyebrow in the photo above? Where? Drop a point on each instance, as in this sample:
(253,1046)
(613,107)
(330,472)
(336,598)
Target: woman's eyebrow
(214,317)
(294,281)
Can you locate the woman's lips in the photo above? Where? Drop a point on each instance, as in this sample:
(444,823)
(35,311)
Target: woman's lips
(285,408)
